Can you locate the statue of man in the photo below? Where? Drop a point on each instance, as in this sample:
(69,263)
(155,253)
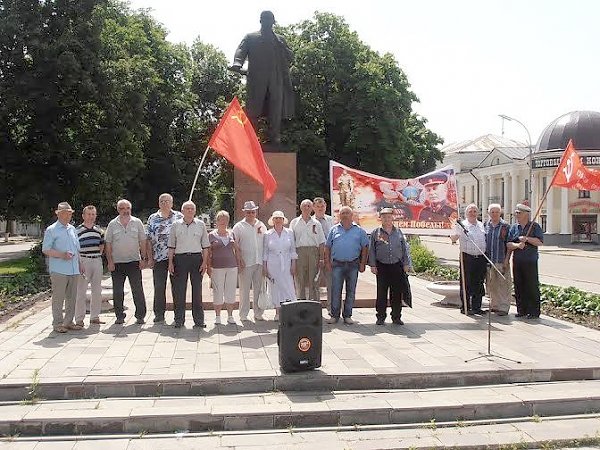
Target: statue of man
(269,86)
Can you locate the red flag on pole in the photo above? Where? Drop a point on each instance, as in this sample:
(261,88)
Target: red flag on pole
(572,173)
(236,140)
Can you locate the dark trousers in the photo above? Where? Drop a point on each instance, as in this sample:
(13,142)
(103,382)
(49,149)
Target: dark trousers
(159,277)
(131,271)
(390,278)
(475,270)
(187,266)
(527,287)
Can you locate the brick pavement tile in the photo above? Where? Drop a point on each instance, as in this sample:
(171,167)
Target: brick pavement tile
(17,445)
(104,444)
(567,429)
(181,443)
(49,445)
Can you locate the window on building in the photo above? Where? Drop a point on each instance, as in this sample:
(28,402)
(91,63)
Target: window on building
(472,194)
(464,194)
(503,201)
(544,221)
(526,190)
(544,184)
(584,194)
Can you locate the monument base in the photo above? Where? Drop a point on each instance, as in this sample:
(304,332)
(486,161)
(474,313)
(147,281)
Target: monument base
(283,168)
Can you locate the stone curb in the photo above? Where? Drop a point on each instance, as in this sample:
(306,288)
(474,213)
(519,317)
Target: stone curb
(278,411)
(148,386)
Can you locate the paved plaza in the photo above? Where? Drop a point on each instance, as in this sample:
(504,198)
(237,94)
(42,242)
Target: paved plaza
(434,339)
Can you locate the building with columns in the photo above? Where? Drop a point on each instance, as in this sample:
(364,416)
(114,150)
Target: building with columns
(494,169)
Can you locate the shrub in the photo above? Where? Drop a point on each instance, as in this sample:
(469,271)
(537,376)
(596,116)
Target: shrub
(37,260)
(445,272)
(571,299)
(422,258)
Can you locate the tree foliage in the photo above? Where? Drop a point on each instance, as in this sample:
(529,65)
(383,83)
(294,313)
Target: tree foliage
(353,106)
(96,104)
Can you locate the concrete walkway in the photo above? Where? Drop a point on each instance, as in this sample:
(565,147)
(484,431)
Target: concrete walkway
(434,340)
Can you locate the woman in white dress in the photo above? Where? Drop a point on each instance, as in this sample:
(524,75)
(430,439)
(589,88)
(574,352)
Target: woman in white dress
(279,260)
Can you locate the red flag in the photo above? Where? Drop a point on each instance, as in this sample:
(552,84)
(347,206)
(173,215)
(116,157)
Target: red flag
(572,173)
(236,140)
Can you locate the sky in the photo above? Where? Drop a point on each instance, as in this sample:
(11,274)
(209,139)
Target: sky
(467,60)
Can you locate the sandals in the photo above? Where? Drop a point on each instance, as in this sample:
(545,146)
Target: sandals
(60,329)
(74,327)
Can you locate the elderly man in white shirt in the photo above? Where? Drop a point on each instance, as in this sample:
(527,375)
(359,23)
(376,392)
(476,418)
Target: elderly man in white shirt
(471,236)
(310,241)
(249,233)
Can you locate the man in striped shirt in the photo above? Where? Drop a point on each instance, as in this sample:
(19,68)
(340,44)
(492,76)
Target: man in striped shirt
(91,241)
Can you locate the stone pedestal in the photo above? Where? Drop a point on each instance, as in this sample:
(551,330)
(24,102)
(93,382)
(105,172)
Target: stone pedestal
(283,168)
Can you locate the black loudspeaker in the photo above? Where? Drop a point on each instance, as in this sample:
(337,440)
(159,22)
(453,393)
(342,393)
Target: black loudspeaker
(300,335)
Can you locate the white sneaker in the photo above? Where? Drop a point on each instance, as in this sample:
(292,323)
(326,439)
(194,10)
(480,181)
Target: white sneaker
(231,320)
(276,318)
(218,320)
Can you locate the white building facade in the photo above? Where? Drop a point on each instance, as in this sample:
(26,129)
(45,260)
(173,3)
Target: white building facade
(494,169)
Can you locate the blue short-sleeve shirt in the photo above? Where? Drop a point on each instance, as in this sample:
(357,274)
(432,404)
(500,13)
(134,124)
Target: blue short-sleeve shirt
(346,245)
(64,239)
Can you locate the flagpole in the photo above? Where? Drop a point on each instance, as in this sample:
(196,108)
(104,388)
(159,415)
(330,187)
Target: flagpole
(198,173)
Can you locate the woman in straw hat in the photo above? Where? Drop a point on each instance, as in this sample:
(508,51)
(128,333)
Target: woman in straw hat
(279,256)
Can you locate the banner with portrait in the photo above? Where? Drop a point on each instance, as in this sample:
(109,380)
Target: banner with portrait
(423,205)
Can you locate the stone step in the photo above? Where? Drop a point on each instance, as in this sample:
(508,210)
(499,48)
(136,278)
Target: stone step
(95,386)
(579,431)
(278,410)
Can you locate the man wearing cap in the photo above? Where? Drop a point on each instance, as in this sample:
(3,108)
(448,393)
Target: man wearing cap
(471,236)
(126,253)
(91,241)
(390,262)
(524,239)
(436,209)
(249,234)
(326,221)
(269,85)
(346,251)
(61,246)
(157,231)
(496,237)
(188,257)
(309,237)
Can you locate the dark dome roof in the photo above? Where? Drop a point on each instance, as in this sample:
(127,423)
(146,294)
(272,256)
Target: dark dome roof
(581,126)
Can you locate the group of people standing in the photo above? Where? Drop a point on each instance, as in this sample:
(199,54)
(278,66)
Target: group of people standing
(296,260)
(485,253)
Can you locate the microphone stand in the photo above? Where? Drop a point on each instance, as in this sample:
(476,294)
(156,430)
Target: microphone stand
(489,353)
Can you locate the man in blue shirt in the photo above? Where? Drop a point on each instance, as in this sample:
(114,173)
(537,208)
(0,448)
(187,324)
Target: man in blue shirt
(524,239)
(496,238)
(345,255)
(61,246)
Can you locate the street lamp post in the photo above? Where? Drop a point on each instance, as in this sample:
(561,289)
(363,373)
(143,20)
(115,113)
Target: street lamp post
(512,119)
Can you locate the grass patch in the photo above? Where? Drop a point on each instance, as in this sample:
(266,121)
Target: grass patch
(14,266)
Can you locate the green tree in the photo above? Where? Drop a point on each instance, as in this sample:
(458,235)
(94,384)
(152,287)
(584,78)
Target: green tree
(66,125)
(213,87)
(353,105)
